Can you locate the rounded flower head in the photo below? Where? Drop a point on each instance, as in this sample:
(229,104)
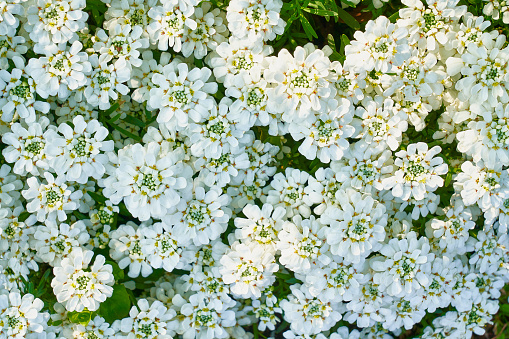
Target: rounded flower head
(79,152)
(382,46)
(55,22)
(255,20)
(404,267)
(148,184)
(60,71)
(300,83)
(417,172)
(356,226)
(249,269)
(181,94)
(309,315)
(27,147)
(51,198)
(78,286)
(20,317)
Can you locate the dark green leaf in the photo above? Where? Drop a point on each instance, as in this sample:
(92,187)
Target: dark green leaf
(117,306)
(348,19)
(310,32)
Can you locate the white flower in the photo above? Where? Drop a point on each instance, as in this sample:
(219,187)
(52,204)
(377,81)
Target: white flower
(288,191)
(181,94)
(208,34)
(51,199)
(55,22)
(417,172)
(255,20)
(106,81)
(416,80)
(349,84)
(472,30)
(237,57)
(261,225)
(147,320)
(78,286)
(361,170)
(299,84)
(222,170)
(452,232)
(96,328)
(78,153)
(382,46)
(147,184)
(21,317)
(486,74)
(248,268)
(400,313)
(404,266)
(201,219)
(487,139)
(495,8)
(167,25)
(250,90)
(17,94)
(27,147)
(72,108)
(121,43)
(436,294)
(336,281)
(356,225)
(433,26)
(490,251)
(308,315)
(206,318)
(8,21)
(141,77)
(486,187)
(302,244)
(321,190)
(477,317)
(266,315)
(60,71)
(54,242)
(325,136)
(131,246)
(215,129)
(11,46)
(380,125)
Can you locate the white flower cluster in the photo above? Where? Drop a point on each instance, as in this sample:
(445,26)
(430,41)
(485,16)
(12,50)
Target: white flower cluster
(159,144)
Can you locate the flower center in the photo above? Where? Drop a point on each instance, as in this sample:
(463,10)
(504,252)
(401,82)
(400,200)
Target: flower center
(22,90)
(52,197)
(34,147)
(81,148)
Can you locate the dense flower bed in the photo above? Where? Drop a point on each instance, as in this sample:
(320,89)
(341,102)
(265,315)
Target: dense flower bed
(166,174)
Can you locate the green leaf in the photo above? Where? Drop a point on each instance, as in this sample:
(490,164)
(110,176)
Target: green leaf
(112,109)
(117,306)
(118,273)
(394,17)
(97,197)
(82,318)
(504,309)
(134,121)
(125,132)
(310,32)
(348,19)
(321,12)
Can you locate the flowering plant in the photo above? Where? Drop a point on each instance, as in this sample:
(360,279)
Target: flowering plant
(254,169)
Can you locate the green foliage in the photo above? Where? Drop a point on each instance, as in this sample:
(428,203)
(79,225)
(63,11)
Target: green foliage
(117,306)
